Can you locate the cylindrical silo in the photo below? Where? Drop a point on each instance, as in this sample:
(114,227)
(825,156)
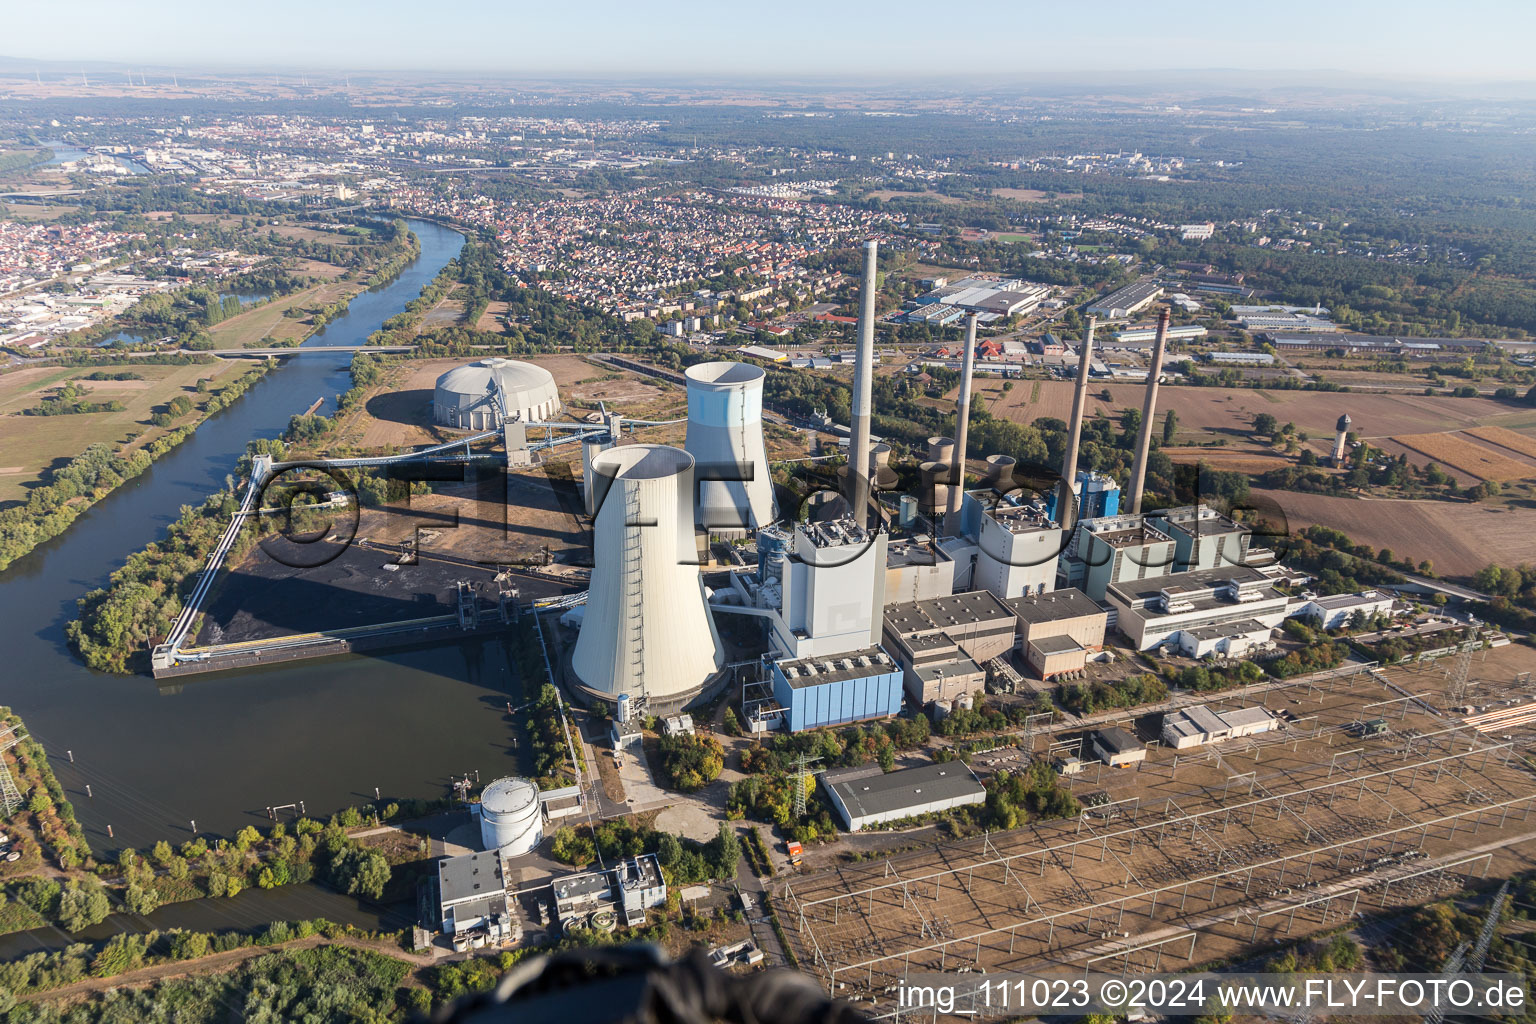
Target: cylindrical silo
(510,818)
(591,448)
(725,438)
(647,631)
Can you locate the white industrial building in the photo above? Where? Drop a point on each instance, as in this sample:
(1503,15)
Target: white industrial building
(1127,301)
(1144,335)
(1197,726)
(1154,611)
(484,394)
(595,899)
(511,820)
(864,795)
(472,900)
(1017,547)
(647,631)
(725,438)
(1116,747)
(1333,612)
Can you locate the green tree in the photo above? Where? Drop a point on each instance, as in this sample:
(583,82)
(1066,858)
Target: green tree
(1170,427)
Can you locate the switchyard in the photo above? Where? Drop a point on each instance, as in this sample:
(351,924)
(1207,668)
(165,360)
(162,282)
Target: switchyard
(1193,855)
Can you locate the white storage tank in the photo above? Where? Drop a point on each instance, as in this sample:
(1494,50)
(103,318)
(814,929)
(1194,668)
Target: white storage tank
(510,817)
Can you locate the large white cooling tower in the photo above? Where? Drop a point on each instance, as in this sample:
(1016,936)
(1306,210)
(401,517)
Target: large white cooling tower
(725,438)
(647,631)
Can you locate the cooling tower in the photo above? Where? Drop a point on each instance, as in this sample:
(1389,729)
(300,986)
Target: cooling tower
(647,631)
(725,438)
(941,449)
(934,499)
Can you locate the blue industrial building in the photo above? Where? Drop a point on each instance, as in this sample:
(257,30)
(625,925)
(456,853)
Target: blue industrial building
(1097,496)
(836,690)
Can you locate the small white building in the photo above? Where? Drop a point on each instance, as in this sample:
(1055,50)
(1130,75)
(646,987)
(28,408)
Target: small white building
(677,725)
(1234,639)
(1116,747)
(1197,726)
(1333,612)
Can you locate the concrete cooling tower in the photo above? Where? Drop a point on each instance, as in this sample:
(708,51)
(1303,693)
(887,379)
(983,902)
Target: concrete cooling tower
(510,818)
(725,438)
(647,630)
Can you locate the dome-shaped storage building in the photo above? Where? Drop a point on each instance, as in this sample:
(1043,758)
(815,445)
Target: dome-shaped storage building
(510,817)
(473,397)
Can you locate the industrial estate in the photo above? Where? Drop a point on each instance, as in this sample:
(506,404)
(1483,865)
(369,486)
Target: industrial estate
(880,575)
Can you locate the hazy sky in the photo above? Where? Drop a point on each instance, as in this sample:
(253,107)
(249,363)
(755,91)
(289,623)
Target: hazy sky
(1412,39)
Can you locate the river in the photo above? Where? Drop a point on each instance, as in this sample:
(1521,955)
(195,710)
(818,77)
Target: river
(222,749)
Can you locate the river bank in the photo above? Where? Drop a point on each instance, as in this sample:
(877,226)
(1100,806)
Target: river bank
(223,749)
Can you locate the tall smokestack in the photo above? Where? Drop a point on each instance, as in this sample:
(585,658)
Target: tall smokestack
(1066,512)
(962,421)
(1148,410)
(863,392)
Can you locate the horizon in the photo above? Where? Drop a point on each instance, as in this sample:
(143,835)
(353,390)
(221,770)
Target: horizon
(994,42)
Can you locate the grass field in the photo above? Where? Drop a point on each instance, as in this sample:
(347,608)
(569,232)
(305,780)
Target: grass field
(30,444)
(1462,454)
(1031,195)
(266,325)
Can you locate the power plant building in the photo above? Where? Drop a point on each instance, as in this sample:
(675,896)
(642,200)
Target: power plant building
(854,687)
(647,631)
(1056,630)
(472,900)
(1197,726)
(1114,550)
(511,820)
(827,587)
(1203,538)
(944,644)
(1211,604)
(1017,544)
(485,394)
(725,438)
(1097,496)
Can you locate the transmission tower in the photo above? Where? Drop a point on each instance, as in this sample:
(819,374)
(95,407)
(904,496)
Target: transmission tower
(1461,668)
(1452,966)
(9,794)
(1479,954)
(802,780)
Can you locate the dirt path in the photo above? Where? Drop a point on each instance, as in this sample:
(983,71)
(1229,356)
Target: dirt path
(214,963)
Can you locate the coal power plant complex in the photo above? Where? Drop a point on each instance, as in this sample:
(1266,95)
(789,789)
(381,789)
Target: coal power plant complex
(864,605)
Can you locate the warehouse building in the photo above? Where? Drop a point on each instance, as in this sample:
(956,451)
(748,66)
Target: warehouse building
(1230,640)
(1116,747)
(1147,335)
(1153,612)
(1197,726)
(987,298)
(941,644)
(1127,301)
(838,689)
(1336,611)
(864,795)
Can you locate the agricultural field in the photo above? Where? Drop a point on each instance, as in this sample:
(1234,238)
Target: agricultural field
(1457,452)
(1033,195)
(1459,538)
(266,324)
(30,444)
(1505,438)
